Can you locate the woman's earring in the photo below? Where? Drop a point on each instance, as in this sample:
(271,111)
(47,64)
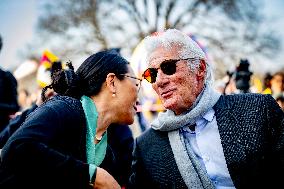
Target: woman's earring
(113,95)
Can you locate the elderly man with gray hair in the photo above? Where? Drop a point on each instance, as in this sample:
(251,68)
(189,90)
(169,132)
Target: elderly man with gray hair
(204,139)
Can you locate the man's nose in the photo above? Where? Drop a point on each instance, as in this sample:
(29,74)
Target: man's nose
(161,78)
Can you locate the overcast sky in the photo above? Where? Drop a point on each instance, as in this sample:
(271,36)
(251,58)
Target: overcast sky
(18,19)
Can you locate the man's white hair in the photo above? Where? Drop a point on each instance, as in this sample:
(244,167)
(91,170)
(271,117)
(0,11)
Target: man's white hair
(173,38)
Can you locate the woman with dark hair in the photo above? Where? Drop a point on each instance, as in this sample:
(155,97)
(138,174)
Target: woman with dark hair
(63,142)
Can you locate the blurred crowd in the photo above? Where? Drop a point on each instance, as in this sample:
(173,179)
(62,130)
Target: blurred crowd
(272,84)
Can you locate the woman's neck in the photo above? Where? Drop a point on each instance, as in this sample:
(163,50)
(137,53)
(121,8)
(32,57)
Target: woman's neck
(105,114)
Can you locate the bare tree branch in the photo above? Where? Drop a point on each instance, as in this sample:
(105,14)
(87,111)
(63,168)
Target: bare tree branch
(224,25)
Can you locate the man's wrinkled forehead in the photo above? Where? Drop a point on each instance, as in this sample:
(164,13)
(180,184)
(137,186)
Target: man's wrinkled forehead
(160,54)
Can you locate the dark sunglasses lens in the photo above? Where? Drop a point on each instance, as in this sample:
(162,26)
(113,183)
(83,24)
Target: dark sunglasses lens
(150,75)
(169,67)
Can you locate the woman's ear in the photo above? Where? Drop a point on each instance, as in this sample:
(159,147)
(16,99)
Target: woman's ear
(110,82)
(201,72)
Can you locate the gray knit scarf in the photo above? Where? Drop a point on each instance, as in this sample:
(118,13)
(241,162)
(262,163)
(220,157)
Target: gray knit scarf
(193,174)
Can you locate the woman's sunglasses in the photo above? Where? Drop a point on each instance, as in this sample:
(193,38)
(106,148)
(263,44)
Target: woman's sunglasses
(138,85)
(168,67)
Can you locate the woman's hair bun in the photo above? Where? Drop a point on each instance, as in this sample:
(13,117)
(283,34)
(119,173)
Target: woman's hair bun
(64,81)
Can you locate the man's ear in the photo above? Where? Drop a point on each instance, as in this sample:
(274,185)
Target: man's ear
(201,70)
(110,82)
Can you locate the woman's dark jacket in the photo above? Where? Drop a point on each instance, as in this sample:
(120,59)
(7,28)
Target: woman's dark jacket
(49,149)
(14,124)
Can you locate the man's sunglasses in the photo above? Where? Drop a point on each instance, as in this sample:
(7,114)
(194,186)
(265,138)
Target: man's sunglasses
(168,67)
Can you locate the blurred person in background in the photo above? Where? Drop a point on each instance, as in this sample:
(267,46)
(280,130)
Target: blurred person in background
(24,100)
(204,139)
(64,141)
(267,84)
(277,84)
(8,96)
(280,101)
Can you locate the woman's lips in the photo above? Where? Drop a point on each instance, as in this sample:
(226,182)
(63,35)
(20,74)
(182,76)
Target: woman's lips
(135,108)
